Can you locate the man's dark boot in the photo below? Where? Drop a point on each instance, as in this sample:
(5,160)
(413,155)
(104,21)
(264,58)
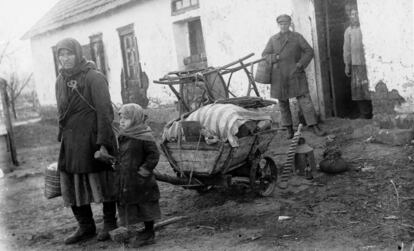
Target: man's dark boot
(109,224)
(318,131)
(290,132)
(86,228)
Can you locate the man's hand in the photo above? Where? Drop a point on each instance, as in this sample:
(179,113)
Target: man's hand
(347,70)
(272,58)
(269,59)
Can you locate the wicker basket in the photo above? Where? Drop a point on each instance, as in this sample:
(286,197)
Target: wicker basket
(52,182)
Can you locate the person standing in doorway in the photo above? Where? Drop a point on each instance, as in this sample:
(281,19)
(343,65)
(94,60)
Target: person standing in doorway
(289,54)
(85,126)
(354,59)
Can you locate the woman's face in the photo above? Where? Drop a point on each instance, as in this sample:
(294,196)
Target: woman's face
(124,122)
(354,16)
(67,58)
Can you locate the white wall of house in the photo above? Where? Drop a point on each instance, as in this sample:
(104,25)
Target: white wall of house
(155,45)
(388,38)
(231,29)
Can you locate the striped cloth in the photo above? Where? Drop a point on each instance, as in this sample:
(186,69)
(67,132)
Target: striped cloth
(223,120)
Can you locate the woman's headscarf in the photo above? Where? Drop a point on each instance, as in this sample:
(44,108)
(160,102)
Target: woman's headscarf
(138,129)
(81,65)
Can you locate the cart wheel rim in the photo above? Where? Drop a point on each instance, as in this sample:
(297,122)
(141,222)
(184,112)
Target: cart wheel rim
(263,176)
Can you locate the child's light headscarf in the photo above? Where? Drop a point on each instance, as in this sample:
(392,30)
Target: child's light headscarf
(138,129)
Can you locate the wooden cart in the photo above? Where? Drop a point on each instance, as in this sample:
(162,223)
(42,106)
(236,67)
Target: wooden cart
(201,166)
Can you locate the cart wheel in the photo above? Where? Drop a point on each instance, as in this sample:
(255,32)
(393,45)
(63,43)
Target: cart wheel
(263,176)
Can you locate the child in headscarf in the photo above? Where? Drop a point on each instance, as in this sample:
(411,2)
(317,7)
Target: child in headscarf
(138,190)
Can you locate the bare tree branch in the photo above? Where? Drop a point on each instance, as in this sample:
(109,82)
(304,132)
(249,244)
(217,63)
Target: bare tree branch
(25,83)
(3,53)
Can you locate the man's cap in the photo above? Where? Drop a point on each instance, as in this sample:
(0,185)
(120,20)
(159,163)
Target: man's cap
(283,18)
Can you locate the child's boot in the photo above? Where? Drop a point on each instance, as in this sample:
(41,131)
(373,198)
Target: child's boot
(146,237)
(143,239)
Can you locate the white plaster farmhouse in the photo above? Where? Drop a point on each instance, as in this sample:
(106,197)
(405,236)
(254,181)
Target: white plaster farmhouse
(137,41)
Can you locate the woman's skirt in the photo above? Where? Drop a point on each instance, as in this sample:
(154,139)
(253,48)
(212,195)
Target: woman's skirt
(359,83)
(82,189)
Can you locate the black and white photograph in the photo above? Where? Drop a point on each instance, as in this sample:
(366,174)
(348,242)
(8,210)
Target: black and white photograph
(207,125)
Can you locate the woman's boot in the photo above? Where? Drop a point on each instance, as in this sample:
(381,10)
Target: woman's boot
(109,212)
(86,228)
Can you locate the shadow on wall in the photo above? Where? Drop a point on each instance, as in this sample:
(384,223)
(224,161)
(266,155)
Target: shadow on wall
(384,101)
(391,111)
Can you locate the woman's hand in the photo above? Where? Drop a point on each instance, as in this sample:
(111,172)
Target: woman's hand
(347,70)
(144,172)
(103,150)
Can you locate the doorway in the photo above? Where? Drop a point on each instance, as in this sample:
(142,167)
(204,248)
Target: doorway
(332,21)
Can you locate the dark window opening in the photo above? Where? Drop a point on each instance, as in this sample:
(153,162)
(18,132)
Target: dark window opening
(197,58)
(97,52)
(86,51)
(181,6)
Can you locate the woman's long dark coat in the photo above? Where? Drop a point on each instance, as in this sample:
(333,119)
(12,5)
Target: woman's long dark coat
(82,129)
(133,155)
(288,82)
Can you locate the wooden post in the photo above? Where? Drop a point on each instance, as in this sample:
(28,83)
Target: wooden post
(332,80)
(9,127)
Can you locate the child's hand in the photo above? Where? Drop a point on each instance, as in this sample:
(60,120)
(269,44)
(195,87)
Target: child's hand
(144,172)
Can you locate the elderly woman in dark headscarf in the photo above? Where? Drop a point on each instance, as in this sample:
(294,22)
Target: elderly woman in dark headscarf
(85,119)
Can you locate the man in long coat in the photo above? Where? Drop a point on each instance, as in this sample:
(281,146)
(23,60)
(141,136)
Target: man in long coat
(290,54)
(355,67)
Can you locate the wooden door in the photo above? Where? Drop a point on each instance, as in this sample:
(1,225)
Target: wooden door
(336,22)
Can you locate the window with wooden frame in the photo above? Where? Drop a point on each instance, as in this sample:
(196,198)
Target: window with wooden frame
(197,58)
(130,53)
(97,52)
(181,6)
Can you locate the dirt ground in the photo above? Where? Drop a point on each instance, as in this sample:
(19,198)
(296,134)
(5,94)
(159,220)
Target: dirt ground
(357,210)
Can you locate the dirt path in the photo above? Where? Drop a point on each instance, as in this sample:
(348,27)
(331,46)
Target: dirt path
(356,210)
